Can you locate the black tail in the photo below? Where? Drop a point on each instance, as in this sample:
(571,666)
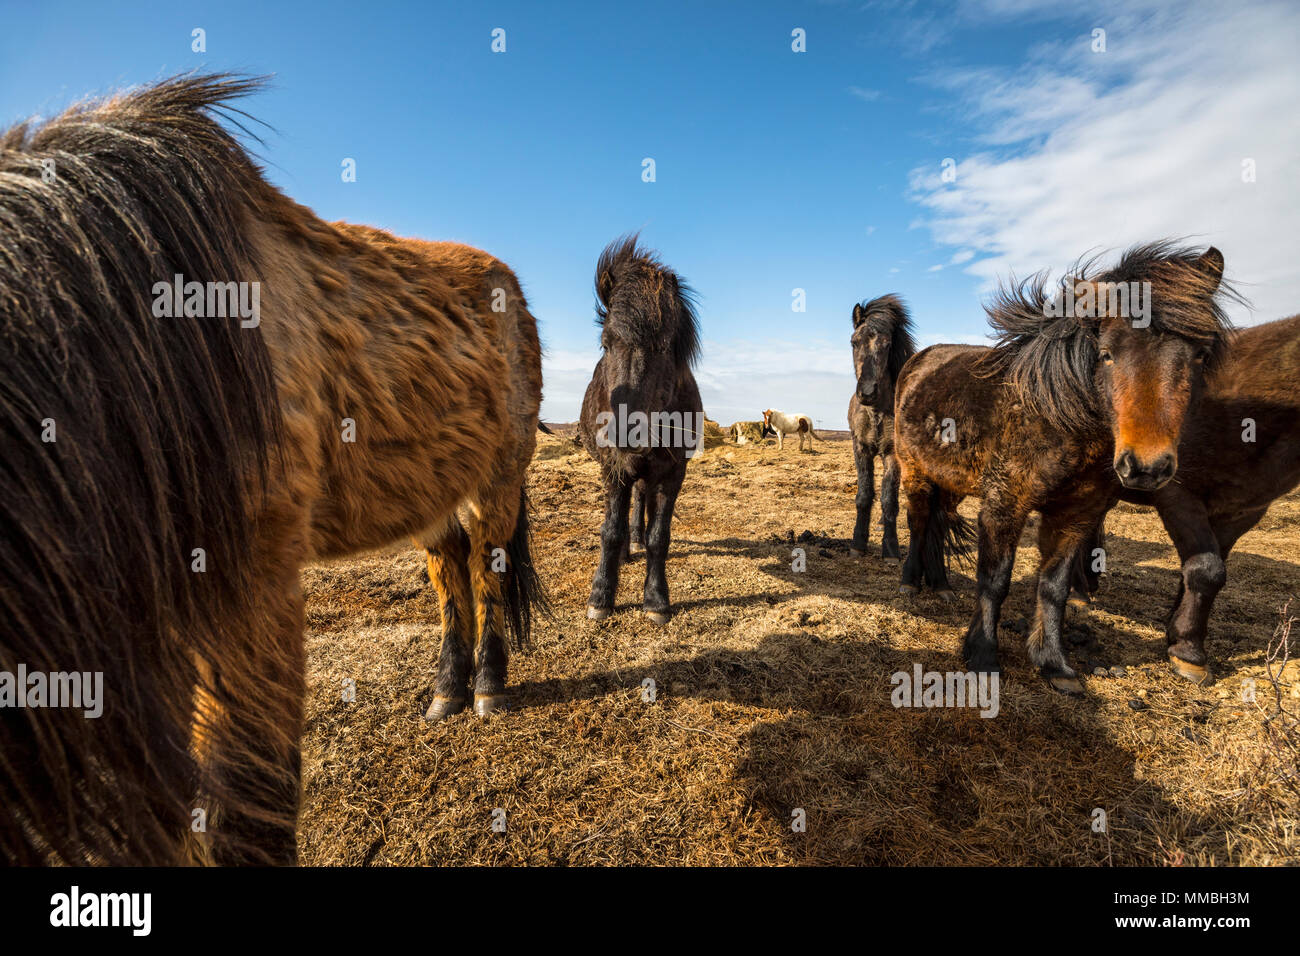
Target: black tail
(1084,580)
(523,586)
(543,428)
(948,537)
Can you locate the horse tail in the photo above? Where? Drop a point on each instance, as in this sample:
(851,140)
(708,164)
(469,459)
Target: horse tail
(813,433)
(949,537)
(136,450)
(1084,581)
(544,428)
(523,592)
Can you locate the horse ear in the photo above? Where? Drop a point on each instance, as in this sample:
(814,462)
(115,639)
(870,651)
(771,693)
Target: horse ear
(857,315)
(1211,264)
(605,285)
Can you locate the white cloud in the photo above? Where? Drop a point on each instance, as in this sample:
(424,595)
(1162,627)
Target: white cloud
(863,94)
(935,268)
(1092,151)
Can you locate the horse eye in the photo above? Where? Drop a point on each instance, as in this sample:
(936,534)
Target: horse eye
(1107,357)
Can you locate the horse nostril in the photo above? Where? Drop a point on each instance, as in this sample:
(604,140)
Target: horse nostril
(1125,464)
(1164,468)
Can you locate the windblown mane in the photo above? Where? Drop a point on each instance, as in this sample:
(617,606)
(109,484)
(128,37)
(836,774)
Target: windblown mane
(644,302)
(887,314)
(1051,361)
(162,430)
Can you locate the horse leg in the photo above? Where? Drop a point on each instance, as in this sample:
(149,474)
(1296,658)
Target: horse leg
(1060,535)
(249,720)
(918,521)
(448,560)
(864,459)
(889,509)
(613,535)
(656,604)
(637,537)
(492,524)
(1203,575)
(999,532)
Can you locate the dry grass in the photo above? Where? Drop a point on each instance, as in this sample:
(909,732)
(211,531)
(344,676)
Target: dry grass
(773,694)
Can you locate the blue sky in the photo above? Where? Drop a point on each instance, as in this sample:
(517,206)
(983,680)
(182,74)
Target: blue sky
(775,170)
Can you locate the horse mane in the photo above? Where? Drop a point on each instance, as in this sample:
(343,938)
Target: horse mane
(165,431)
(888,314)
(1051,361)
(652,302)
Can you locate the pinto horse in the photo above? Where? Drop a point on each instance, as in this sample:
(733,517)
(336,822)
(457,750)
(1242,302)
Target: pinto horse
(1239,453)
(173,459)
(781,424)
(1076,392)
(642,419)
(882,344)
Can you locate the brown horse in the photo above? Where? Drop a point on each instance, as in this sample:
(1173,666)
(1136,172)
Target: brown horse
(882,344)
(1076,392)
(1240,452)
(173,458)
(641,416)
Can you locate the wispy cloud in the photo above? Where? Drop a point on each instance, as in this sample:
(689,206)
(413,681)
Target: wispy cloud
(1090,151)
(863,94)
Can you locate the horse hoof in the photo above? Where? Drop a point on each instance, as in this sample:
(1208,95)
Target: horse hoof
(855,553)
(485,704)
(598,613)
(892,561)
(442,708)
(659,617)
(1196,673)
(1070,686)
(908,589)
(947,595)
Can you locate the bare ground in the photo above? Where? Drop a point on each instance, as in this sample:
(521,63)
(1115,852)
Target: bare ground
(773,696)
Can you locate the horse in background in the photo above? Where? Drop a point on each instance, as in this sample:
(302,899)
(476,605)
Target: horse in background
(1239,453)
(882,344)
(781,424)
(1070,397)
(642,418)
(170,465)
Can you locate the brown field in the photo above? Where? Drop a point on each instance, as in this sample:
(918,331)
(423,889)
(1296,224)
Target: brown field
(773,694)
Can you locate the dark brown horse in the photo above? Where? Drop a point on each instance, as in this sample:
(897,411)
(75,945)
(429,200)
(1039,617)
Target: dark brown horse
(1078,390)
(641,417)
(882,344)
(1240,452)
(205,387)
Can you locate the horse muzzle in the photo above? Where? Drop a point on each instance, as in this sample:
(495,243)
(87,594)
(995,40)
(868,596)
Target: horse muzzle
(1137,475)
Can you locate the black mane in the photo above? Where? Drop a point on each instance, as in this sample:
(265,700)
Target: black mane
(887,314)
(1051,359)
(645,303)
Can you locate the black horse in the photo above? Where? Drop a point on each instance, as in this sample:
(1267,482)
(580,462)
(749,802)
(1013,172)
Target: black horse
(641,417)
(882,343)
